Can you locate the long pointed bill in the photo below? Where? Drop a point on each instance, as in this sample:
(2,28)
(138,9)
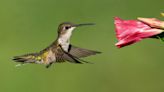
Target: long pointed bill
(86,24)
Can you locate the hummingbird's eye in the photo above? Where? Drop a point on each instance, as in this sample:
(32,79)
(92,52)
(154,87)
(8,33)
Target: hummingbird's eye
(67,27)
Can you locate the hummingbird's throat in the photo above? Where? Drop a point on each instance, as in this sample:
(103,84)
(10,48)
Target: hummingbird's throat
(64,39)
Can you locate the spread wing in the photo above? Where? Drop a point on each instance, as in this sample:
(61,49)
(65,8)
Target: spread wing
(80,52)
(62,56)
(73,55)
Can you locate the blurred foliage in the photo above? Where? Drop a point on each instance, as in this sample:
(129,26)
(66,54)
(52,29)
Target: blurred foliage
(162,14)
(31,25)
(159,36)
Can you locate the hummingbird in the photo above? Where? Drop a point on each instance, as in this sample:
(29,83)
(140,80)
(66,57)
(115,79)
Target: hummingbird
(60,50)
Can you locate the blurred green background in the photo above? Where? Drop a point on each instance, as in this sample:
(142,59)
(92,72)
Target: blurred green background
(31,25)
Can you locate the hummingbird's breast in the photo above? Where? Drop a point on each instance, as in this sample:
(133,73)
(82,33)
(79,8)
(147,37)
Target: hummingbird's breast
(65,46)
(64,39)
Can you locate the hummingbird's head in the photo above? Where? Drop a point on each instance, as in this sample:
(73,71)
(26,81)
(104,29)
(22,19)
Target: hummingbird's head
(67,27)
(65,31)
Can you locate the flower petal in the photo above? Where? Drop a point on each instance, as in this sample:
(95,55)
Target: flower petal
(131,31)
(153,22)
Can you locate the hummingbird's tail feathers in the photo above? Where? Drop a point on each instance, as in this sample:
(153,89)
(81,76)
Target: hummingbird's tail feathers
(80,52)
(28,58)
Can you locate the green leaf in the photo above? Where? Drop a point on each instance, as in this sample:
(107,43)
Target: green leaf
(159,36)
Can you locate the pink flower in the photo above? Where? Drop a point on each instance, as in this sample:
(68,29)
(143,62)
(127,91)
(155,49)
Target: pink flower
(131,31)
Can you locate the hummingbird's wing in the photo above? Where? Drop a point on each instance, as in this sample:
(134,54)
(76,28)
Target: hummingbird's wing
(75,53)
(62,56)
(80,52)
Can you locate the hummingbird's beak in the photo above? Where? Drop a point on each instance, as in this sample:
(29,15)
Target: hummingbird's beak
(86,24)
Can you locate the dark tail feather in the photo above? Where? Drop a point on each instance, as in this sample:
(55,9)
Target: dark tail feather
(28,58)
